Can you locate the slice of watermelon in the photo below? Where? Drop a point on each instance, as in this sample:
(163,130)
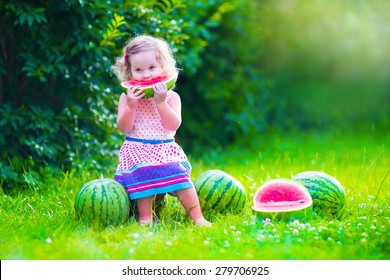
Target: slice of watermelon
(147,84)
(282,199)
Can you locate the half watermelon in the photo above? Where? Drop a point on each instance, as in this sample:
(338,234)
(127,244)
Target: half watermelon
(147,85)
(282,199)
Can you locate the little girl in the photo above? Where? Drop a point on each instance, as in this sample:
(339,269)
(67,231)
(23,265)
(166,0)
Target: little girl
(151,163)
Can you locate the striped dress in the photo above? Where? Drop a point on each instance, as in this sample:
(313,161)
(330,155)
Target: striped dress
(150,162)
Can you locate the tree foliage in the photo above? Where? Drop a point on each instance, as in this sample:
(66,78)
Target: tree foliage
(58,95)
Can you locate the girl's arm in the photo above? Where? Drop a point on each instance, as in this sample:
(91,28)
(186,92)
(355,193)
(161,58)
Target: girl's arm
(125,117)
(126,109)
(170,112)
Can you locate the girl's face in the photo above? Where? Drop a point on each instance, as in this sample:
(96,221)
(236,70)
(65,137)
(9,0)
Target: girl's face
(144,65)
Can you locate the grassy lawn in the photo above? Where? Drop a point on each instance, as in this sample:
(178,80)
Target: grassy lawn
(39,222)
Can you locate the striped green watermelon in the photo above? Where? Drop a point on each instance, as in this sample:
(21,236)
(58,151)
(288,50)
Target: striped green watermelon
(282,199)
(327,193)
(147,84)
(103,201)
(220,192)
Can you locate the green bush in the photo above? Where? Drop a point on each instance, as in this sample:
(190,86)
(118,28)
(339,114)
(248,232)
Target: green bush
(57,93)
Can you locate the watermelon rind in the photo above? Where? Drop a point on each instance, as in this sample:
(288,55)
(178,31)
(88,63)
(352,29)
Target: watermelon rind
(299,207)
(329,198)
(148,90)
(102,201)
(219,192)
(302,214)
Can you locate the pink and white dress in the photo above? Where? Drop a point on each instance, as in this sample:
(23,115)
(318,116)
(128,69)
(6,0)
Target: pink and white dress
(150,161)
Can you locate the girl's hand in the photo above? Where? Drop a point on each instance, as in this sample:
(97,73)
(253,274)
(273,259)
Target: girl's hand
(160,92)
(133,96)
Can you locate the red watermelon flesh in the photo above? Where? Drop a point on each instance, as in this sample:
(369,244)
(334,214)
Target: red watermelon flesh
(144,83)
(282,198)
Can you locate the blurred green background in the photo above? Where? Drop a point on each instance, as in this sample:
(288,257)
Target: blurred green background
(330,58)
(249,69)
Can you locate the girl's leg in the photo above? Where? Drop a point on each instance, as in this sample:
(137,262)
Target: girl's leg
(189,199)
(145,210)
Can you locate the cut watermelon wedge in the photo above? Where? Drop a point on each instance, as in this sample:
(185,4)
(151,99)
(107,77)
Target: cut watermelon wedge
(147,84)
(282,199)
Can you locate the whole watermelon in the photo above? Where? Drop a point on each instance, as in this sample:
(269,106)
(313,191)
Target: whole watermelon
(328,194)
(220,192)
(102,201)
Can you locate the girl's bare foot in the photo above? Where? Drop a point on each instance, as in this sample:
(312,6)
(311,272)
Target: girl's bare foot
(145,222)
(202,222)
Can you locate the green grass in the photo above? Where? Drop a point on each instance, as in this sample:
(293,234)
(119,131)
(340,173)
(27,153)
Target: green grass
(39,223)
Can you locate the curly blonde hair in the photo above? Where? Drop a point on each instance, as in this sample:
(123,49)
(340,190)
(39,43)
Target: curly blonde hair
(141,43)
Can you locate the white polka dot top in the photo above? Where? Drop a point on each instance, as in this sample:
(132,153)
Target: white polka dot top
(147,122)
